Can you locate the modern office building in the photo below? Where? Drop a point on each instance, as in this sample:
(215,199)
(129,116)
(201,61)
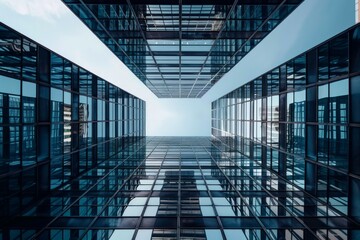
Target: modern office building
(180,49)
(58,121)
(283,161)
(300,121)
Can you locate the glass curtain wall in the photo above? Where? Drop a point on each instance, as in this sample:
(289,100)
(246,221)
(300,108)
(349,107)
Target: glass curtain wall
(57,120)
(180,49)
(301,120)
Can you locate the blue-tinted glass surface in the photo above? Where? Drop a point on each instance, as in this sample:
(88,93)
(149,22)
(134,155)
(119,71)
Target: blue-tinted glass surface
(211,38)
(317,144)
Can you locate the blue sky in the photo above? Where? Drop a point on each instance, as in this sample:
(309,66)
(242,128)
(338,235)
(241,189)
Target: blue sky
(53,25)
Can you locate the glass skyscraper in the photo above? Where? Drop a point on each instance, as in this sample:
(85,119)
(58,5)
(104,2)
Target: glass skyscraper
(283,161)
(180,49)
(300,121)
(58,121)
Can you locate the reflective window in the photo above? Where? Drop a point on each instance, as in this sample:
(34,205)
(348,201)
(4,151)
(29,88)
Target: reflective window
(299,106)
(67,74)
(323,103)
(29,56)
(10,53)
(338,101)
(299,139)
(337,192)
(57,106)
(47,138)
(323,62)
(323,143)
(339,60)
(9,85)
(28,145)
(85,82)
(308,120)
(28,102)
(57,70)
(338,147)
(299,71)
(290,107)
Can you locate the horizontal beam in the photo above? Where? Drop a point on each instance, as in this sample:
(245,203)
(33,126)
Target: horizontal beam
(175,35)
(184,65)
(241,222)
(169,73)
(191,53)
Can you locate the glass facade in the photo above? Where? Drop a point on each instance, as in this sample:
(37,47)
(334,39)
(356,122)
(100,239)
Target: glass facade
(283,161)
(300,121)
(179,188)
(180,49)
(57,121)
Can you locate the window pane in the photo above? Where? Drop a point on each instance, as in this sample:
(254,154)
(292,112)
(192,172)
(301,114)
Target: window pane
(323,108)
(355,150)
(339,59)
(299,106)
(29,102)
(338,147)
(355,99)
(355,50)
(10,53)
(299,139)
(28,145)
(338,191)
(323,61)
(56,105)
(311,142)
(57,69)
(9,85)
(323,143)
(29,60)
(311,104)
(299,71)
(338,101)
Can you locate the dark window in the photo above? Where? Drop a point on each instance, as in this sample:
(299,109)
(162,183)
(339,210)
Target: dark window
(355,99)
(355,50)
(323,62)
(311,142)
(311,104)
(43,65)
(339,59)
(311,60)
(354,198)
(338,191)
(355,150)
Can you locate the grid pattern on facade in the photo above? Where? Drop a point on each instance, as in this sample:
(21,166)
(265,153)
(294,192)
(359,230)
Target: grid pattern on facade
(301,121)
(181,48)
(180,188)
(57,120)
